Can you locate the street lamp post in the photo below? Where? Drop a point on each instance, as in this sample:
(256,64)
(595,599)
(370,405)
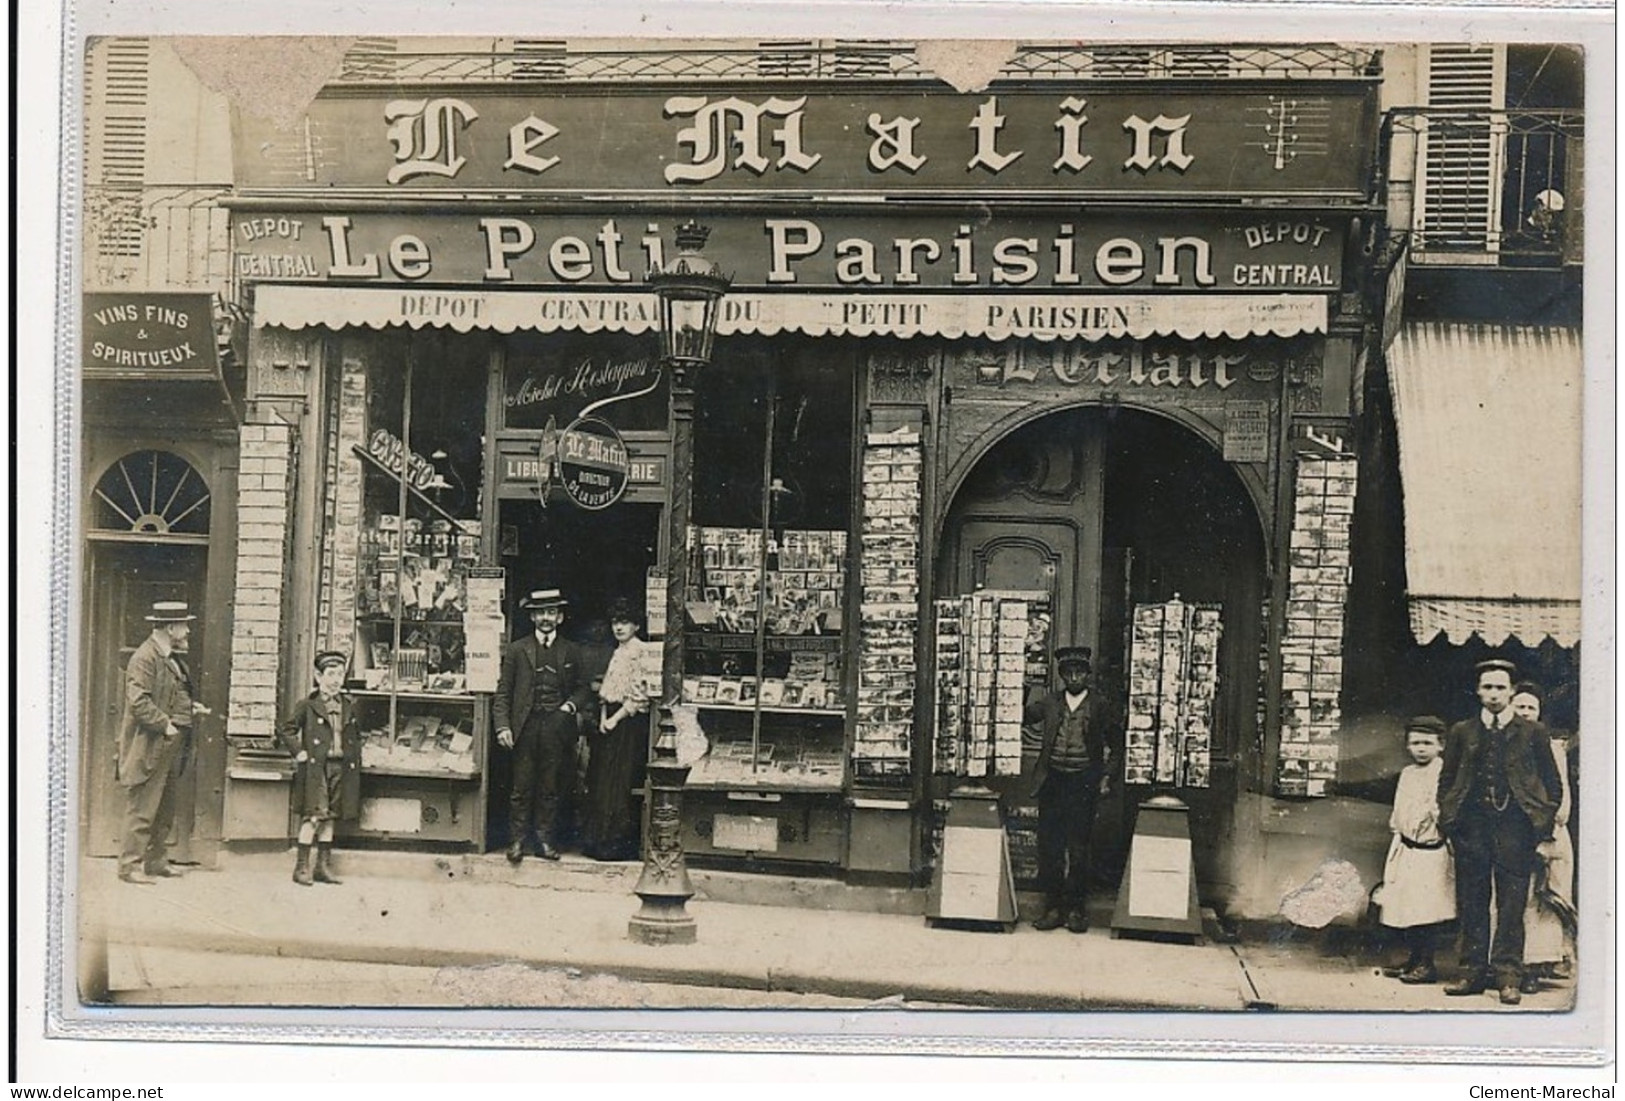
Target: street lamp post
(690,289)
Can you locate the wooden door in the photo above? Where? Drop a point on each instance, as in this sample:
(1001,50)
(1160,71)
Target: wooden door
(125,579)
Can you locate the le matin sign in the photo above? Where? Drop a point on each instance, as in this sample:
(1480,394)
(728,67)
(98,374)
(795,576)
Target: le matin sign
(1311,142)
(149,336)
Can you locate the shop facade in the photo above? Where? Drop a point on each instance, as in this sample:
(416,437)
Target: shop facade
(1050,363)
(160,404)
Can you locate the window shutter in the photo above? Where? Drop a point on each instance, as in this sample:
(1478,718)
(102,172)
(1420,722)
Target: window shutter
(1459,194)
(116,76)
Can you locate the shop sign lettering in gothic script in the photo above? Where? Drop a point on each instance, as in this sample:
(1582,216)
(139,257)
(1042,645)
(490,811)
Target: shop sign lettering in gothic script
(1092,140)
(1211,369)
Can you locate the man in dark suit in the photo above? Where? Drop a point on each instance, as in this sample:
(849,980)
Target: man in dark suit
(159,706)
(1498,798)
(542,688)
(1074,763)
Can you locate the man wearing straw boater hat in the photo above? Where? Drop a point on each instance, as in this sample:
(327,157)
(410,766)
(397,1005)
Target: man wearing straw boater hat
(540,692)
(159,708)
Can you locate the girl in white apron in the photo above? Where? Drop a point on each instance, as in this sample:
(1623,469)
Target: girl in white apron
(1418,891)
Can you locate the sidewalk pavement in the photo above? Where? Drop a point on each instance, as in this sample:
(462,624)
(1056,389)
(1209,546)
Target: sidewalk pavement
(477,912)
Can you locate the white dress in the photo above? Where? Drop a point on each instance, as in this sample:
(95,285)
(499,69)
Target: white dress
(1543,939)
(1418,884)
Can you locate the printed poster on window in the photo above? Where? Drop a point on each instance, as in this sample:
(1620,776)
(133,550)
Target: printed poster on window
(484,628)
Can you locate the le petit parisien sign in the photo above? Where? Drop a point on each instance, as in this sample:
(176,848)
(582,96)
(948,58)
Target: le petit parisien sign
(904,249)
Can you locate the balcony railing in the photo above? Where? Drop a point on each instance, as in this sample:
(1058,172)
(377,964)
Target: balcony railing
(380,61)
(1487,187)
(156,238)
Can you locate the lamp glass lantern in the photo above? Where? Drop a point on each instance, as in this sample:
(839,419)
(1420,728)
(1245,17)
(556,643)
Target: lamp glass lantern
(690,288)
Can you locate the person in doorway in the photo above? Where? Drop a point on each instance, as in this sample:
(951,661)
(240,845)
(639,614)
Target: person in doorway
(159,708)
(619,744)
(1498,799)
(541,691)
(324,736)
(1074,763)
(1418,880)
(1546,947)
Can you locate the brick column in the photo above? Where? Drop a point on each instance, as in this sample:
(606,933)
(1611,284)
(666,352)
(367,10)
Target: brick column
(264,477)
(1312,646)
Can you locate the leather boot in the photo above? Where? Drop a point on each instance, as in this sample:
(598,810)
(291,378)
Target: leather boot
(547,816)
(301,868)
(324,869)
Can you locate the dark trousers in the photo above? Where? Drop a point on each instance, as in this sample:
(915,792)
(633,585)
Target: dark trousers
(544,766)
(1421,941)
(149,810)
(1493,849)
(1066,816)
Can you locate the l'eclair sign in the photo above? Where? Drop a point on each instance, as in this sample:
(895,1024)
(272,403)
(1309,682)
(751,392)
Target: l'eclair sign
(1307,140)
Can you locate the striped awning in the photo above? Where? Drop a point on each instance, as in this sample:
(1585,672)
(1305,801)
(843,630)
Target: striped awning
(1489,423)
(836,313)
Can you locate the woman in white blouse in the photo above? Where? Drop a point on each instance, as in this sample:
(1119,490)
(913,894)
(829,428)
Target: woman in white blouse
(619,744)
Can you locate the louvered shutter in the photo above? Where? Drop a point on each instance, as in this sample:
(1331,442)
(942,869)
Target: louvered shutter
(1459,193)
(116,74)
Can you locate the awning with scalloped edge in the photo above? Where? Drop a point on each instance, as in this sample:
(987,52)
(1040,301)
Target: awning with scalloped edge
(991,316)
(1489,455)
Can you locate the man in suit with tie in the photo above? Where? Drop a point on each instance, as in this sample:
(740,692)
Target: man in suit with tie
(1498,798)
(1074,762)
(159,706)
(541,690)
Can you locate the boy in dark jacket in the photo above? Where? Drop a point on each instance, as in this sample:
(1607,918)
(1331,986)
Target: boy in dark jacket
(324,737)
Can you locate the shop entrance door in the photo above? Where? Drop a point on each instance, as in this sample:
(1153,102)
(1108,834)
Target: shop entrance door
(1106,510)
(125,579)
(595,559)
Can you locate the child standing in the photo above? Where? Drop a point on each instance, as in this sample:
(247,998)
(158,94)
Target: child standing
(324,738)
(1419,879)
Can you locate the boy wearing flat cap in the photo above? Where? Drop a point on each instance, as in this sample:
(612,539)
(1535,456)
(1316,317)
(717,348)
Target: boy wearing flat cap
(1074,761)
(324,737)
(1498,798)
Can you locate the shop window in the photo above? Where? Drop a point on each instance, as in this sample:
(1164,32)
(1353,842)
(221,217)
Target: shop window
(420,448)
(152,493)
(769,571)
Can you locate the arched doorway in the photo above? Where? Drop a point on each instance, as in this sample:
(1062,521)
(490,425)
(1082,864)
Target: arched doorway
(1106,508)
(147,530)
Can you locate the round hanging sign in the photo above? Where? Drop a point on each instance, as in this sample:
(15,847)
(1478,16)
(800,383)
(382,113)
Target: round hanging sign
(593,463)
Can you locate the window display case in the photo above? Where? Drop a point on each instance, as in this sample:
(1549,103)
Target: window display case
(767,631)
(423,727)
(764,659)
